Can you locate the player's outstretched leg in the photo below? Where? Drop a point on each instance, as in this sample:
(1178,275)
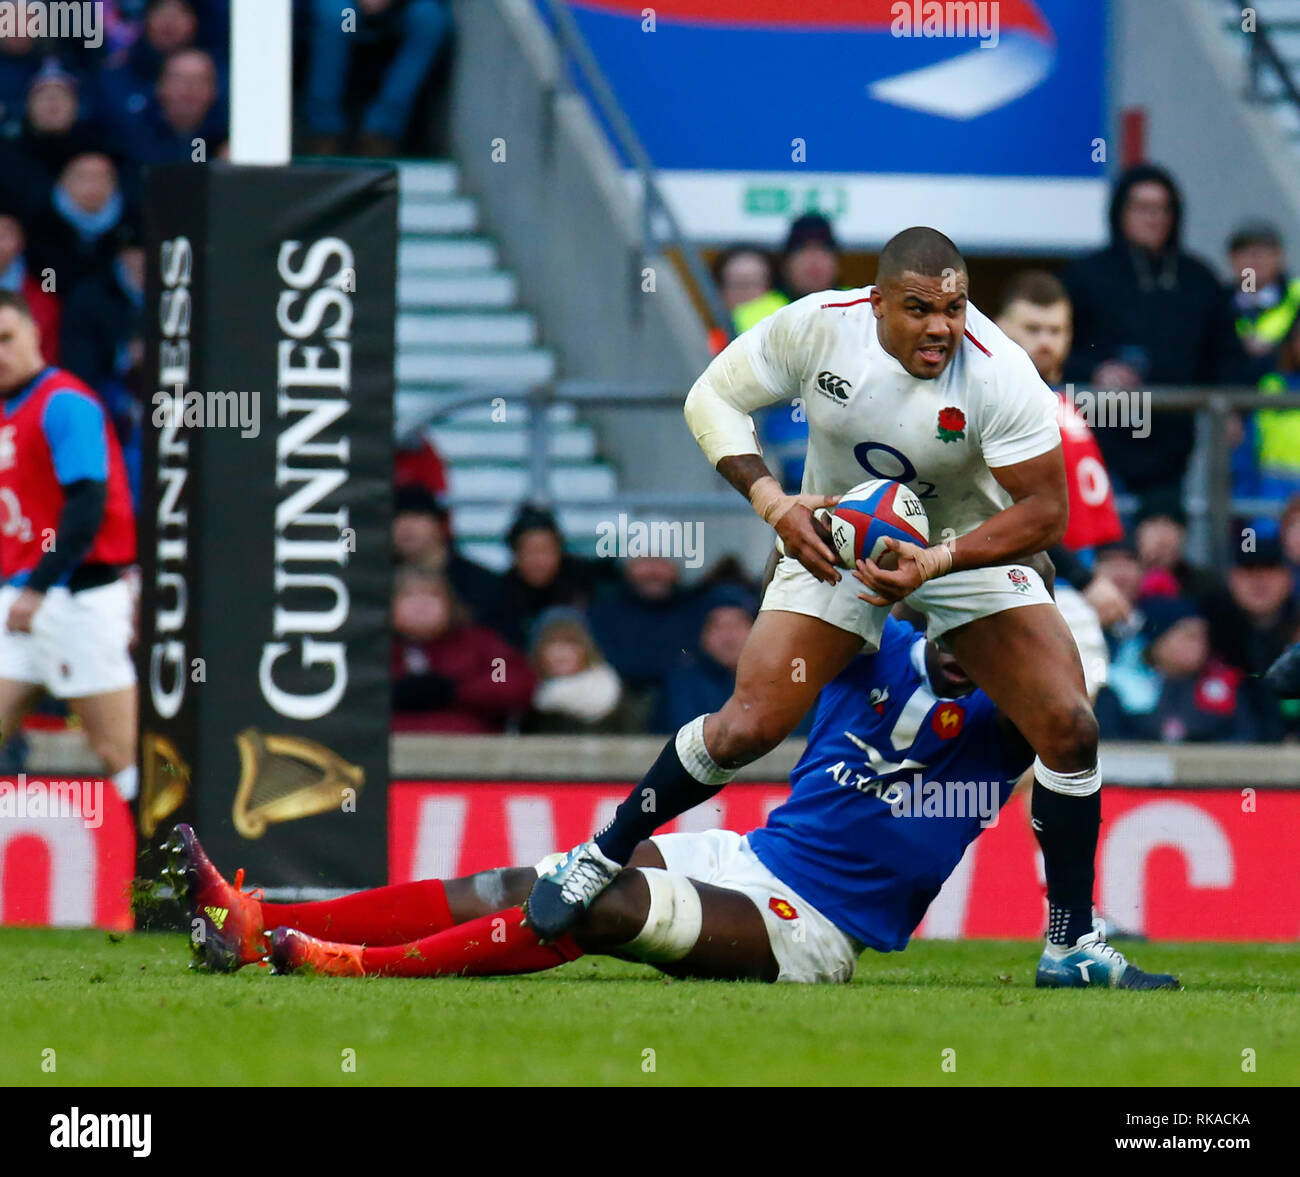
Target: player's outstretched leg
(492,945)
(230,923)
(787,659)
(1091,961)
(225,920)
(681,926)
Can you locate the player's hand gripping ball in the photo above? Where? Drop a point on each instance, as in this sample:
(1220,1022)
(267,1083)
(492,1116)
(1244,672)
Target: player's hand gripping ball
(869,514)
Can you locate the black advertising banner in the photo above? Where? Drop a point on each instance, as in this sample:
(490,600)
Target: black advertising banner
(265,526)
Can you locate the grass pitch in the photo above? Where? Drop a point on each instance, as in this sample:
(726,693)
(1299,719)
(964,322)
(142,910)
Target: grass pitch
(128,1011)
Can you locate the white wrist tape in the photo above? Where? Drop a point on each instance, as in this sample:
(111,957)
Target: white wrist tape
(936,561)
(769,500)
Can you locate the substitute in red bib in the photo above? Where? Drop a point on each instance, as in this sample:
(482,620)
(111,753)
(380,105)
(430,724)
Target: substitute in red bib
(67,534)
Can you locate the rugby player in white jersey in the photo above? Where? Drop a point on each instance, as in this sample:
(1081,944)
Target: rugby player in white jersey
(901,380)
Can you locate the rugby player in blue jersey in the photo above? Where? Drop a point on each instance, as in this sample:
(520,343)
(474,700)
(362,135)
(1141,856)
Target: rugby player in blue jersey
(906,763)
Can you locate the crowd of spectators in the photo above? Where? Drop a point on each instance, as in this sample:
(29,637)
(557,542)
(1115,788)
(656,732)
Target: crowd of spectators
(558,643)
(79,126)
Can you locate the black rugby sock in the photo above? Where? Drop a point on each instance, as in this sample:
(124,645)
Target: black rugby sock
(1067,828)
(666,791)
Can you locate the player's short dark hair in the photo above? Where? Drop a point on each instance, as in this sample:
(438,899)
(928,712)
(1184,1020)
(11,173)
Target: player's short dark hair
(1040,288)
(11,298)
(919,250)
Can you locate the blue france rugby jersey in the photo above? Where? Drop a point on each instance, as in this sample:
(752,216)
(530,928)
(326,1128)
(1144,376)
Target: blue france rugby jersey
(894,785)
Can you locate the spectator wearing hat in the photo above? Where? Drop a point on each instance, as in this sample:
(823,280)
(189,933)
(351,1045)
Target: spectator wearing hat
(1188,695)
(812,257)
(578,692)
(56,126)
(1254,617)
(448,674)
(1148,313)
(811,262)
(541,575)
(417,463)
(422,539)
(18,277)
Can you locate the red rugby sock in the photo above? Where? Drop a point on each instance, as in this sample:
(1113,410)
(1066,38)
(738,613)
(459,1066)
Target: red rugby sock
(492,945)
(386,915)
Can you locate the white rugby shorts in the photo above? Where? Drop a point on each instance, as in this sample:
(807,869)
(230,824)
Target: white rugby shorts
(947,601)
(79,644)
(808,948)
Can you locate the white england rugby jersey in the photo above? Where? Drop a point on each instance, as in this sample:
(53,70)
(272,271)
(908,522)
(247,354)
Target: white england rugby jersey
(868,418)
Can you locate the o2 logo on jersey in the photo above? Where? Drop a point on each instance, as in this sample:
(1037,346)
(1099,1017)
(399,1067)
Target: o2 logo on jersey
(869,453)
(947,720)
(15,524)
(8,449)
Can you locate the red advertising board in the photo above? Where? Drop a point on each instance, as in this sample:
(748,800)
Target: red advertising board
(1174,864)
(67,853)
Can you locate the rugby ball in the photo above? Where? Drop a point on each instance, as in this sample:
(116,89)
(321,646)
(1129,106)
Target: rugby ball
(868,514)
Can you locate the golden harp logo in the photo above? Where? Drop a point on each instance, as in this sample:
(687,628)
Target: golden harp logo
(164,781)
(283,778)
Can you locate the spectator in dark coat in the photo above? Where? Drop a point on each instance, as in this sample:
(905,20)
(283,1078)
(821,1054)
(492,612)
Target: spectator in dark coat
(422,539)
(450,675)
(80,231)
(1147,313)
(543,574)
(648,623)
(1254,617)
(186,123)
(1195,698)
(704,683)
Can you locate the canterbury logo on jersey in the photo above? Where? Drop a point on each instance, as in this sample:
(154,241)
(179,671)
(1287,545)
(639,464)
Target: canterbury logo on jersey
(836,387)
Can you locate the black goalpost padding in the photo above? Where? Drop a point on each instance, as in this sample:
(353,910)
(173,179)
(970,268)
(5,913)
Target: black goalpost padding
(265,523)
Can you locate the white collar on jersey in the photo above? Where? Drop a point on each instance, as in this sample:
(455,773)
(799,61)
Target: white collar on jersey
(917,654)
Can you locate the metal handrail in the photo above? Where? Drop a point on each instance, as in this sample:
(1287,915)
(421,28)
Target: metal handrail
(1263,52)
(573,46)
(1218,402)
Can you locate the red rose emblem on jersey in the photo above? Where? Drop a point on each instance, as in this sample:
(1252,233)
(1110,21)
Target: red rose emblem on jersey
(952,424)
(1019,579)
(783,908)
(947,720)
